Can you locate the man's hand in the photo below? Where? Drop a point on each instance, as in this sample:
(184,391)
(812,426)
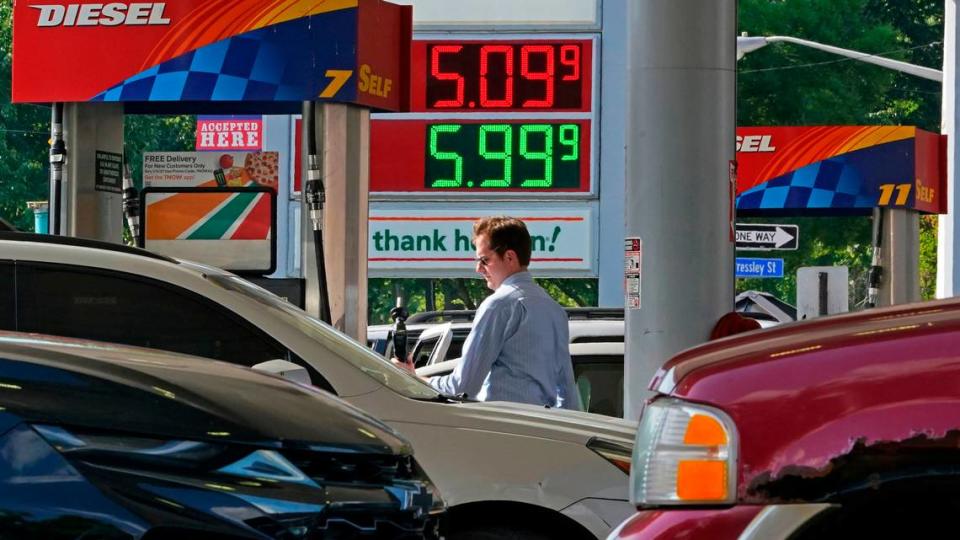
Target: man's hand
(408,365)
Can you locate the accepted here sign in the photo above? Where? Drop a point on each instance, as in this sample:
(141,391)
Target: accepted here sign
(407,241)
(229,133)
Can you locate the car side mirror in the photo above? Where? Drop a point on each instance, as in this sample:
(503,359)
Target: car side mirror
(287,370)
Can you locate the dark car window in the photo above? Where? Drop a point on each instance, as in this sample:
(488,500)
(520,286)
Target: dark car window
(8,306)
(600,382)
(456,344)
(422,354)
(121,308)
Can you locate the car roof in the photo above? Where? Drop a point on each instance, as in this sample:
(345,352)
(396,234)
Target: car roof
(81,242)
(576,350)
(580,330)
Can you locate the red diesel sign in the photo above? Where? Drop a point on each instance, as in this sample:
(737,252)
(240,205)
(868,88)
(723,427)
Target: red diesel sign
(354,51)
(229,133)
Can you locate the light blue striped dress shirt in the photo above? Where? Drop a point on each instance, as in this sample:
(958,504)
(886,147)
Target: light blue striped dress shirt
(518,350)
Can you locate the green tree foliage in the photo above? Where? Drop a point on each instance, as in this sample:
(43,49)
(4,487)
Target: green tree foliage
(156,133)
(919,23)
(928,257)
(24,132)
(785,84)
(461,293)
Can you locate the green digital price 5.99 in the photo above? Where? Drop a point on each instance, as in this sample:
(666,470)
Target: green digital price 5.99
(503,155)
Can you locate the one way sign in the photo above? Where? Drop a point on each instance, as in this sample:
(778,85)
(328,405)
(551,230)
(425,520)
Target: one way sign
(761,236)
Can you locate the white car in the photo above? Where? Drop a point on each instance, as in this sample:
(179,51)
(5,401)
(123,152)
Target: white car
(581,331)
(597,365)
(504,469)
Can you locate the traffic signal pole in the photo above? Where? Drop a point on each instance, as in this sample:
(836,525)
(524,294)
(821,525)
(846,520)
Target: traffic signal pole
(681,131)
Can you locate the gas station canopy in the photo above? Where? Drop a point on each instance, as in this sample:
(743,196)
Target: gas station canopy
(837,170)
(213,55)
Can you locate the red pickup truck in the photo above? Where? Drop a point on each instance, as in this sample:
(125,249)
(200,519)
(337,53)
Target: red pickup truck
(841,427)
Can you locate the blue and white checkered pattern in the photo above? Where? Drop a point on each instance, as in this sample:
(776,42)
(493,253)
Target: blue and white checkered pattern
(848,181)
(275,63)
(825,184)
(246,68)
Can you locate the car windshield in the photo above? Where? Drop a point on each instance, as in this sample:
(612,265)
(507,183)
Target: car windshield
(340,344)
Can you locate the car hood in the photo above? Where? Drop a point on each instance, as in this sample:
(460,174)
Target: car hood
(81,383)
(772,351)
(531,420)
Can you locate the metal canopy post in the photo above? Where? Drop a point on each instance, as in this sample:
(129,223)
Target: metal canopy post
(900,257)
(343,144)
(91,207)
(680,140)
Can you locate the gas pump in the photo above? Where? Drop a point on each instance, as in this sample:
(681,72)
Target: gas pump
(131,203)
(58,155)
(875,276)
(399,315)
(316,197)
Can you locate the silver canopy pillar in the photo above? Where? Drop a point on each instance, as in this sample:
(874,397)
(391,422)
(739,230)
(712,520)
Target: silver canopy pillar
(90,200)
(681,133)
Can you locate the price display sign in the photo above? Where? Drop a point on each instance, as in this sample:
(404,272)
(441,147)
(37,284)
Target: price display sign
(509,114)
(503,155)
(480,156)
(543,76)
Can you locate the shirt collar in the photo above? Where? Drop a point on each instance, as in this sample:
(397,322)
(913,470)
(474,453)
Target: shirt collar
(517,278)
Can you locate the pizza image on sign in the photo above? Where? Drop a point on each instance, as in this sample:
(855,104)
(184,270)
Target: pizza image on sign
(263,168)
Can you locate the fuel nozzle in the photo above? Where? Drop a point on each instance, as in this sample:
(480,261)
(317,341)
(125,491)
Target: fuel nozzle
(131,204)
(874,280)
(399,315)
(875,275)
(58,150)
(314,191)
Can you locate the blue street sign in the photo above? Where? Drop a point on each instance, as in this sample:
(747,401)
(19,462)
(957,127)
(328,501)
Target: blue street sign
(759,268)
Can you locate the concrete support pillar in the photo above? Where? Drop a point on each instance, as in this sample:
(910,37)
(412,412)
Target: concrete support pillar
(681,131)
(343,140)
(87,209)
(900,257)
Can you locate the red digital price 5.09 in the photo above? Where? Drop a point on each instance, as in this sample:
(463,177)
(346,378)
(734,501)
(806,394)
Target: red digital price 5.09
(499,75)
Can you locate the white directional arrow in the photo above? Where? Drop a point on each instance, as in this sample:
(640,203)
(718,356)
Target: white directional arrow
(781,237)
(766,236)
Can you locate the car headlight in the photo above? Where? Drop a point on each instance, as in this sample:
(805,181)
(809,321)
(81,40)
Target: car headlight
(685,454)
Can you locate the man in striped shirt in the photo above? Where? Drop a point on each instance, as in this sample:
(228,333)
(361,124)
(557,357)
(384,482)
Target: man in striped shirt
(518,349)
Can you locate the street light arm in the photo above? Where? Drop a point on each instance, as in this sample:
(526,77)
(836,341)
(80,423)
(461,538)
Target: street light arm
(919,71)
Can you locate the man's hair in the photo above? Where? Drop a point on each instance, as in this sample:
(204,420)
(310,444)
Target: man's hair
(505,233)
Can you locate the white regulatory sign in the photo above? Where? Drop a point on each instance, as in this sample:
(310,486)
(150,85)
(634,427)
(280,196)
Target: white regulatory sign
(632,260)
(434,239)
(765,237)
